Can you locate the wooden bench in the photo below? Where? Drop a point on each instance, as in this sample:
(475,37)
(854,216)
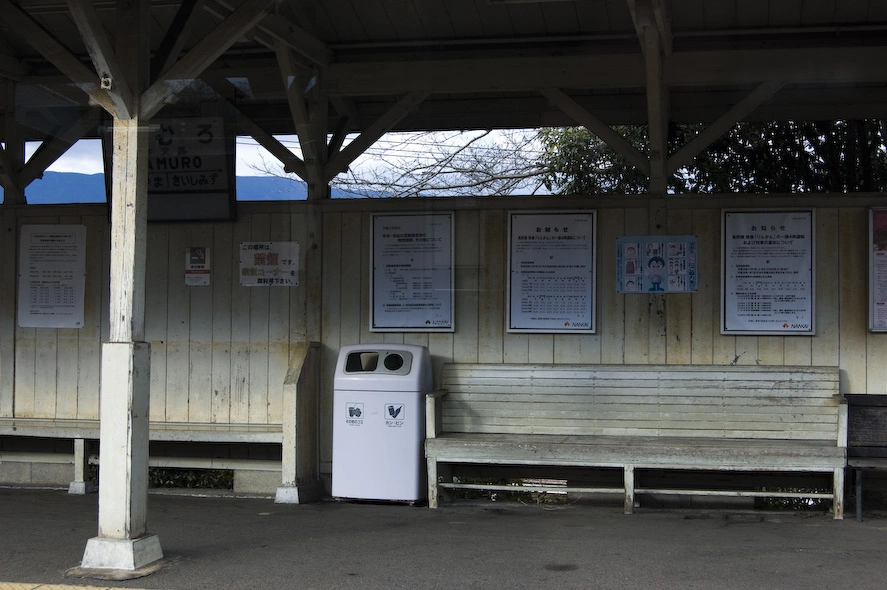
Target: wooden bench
(697,418)
(867,438)
(297,436)
(81,431)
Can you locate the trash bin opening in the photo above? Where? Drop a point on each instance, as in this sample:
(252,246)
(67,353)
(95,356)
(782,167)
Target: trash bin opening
(393,362)
(358,362)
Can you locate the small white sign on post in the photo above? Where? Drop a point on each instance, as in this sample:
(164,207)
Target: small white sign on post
(52,276)
(269,264)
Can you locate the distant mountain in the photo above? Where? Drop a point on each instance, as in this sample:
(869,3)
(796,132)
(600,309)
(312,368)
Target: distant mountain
(69,187)
(66,187)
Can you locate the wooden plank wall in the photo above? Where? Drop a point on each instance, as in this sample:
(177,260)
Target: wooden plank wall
(219,354)
(636,329)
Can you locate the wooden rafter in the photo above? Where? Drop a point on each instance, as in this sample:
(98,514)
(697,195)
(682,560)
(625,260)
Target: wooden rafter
(340,161)
(12,67)
(192,64)
(836,65)
(606,133)
(291,163)
(737,113)
(171,47)
(55,53)
(305,121)
(276,28)
(111,73)
(56,145)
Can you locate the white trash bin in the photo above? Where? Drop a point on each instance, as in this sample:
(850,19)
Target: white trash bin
(379,422)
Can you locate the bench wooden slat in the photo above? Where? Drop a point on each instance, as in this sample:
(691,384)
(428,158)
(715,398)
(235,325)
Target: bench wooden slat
(159,431)
(650,416)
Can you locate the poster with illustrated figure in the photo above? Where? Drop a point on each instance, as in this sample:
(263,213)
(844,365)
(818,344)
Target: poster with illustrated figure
(878,270)
(656,264)
(767,278)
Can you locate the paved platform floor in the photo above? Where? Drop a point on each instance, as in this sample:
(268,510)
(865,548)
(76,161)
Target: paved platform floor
(233,543)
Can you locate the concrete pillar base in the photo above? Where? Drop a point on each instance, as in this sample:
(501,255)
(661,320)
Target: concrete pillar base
(81,488)
(121,554)
(301,493)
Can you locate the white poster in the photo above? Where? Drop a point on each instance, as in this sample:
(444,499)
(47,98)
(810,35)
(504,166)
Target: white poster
(52,276)
(878,270)
(551,262)
(767,279)
(269,264)
(412,278)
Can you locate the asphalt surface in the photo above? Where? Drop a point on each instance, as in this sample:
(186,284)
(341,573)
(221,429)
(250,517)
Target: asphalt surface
(232,543)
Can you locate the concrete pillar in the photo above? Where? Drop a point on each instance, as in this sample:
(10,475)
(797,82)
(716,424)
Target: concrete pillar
(123,542)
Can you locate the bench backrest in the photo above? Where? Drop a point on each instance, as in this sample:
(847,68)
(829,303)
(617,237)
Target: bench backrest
(645,400)
(867,425)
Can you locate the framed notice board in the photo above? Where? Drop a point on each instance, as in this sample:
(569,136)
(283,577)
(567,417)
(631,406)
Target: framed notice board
(767,272)
(551,268)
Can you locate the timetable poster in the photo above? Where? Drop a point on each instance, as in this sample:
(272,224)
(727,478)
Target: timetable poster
(412,278)
(52,276)
(878,270)
(767,280)
(656,264)
(552,272)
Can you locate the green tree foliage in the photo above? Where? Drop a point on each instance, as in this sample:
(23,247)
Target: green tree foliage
(771,157)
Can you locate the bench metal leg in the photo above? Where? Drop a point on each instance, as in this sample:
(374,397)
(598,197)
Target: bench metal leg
(628,477)
(838,501)
(858,473)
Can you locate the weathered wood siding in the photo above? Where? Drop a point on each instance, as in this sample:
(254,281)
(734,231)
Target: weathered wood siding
(219,354)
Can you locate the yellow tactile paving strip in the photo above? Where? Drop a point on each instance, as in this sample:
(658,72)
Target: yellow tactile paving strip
(21,586)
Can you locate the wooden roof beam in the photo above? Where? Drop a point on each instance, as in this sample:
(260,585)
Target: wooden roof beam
(276,28)
(737,113)
(307,122)
(207,50)
(170,48)
(836,65)
(13,68)
(56,53)
(340,161)
(112,75)
(56,145)
(652,13)
(606,133)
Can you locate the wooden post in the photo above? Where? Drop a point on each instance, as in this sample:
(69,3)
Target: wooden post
(123,542)
(299,463)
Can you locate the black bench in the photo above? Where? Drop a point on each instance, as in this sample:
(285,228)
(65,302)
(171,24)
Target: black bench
(867,437)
